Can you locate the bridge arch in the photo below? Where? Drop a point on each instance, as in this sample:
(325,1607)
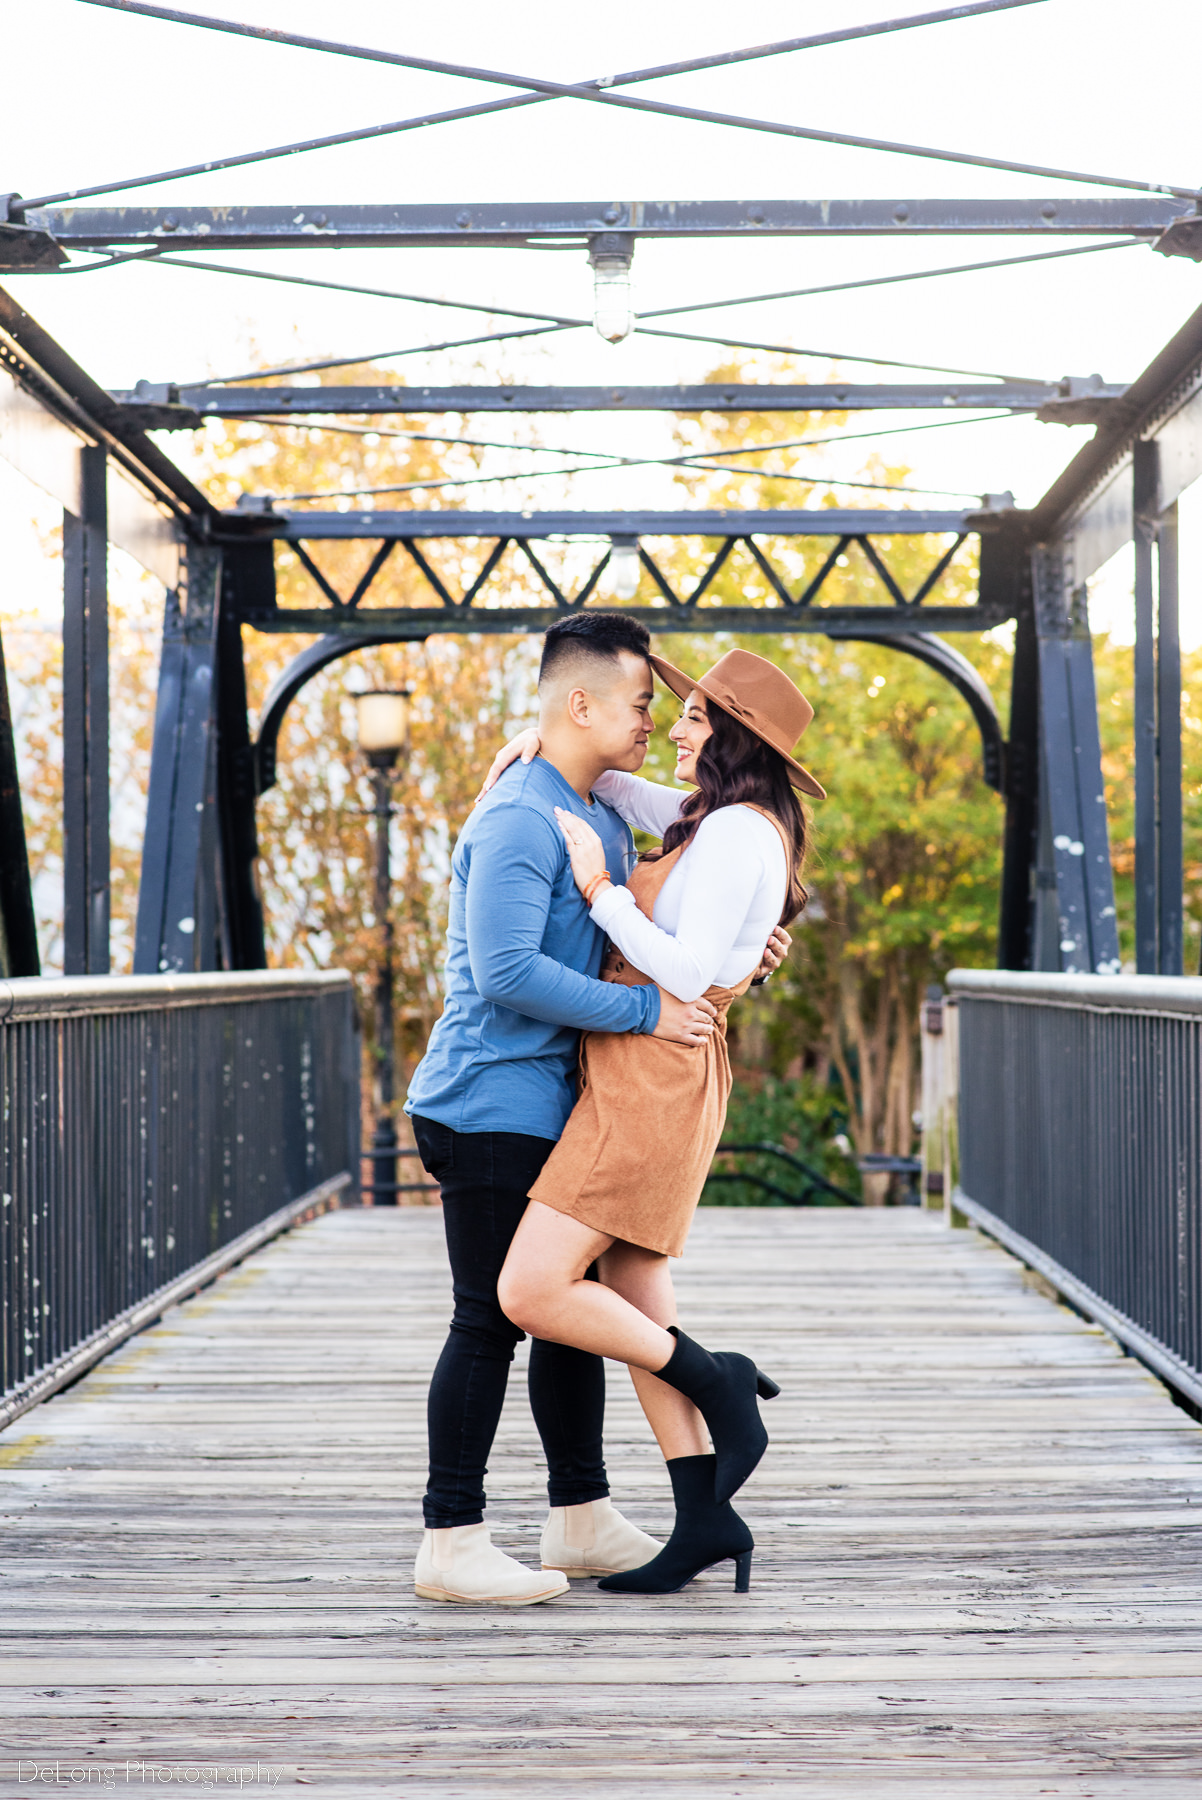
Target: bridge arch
(925,647)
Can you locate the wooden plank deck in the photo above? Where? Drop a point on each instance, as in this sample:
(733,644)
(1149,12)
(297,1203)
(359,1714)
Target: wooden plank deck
(978,1569)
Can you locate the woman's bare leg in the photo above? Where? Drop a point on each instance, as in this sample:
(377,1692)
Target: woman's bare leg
(543,1290)
(644,1278)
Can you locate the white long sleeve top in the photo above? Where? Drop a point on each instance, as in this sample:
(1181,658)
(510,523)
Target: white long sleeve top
(717,908)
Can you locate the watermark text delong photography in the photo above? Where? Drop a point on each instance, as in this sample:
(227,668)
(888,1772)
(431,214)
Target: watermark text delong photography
(204,1778)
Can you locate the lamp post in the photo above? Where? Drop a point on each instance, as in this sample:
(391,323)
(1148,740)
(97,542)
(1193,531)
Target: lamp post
(382,716)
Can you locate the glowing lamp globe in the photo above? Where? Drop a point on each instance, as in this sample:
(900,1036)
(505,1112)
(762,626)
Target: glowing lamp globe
(382,717)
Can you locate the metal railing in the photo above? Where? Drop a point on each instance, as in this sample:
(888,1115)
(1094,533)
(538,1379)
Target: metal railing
(153,1130)
(814,1183)
(1080,1145)
(378,1192)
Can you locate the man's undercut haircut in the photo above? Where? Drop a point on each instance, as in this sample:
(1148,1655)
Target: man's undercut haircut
(584,638)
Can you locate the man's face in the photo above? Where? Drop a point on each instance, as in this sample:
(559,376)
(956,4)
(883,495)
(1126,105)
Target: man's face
(619,711)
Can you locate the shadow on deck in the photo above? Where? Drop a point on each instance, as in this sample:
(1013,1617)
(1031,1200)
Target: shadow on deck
(977,1569)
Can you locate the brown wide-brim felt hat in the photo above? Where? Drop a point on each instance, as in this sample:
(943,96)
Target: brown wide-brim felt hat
(757,694)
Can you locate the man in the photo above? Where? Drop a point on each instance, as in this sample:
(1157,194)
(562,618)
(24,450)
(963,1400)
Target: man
(493,1093)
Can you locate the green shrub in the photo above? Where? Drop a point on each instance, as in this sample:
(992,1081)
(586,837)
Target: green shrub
(799,1116)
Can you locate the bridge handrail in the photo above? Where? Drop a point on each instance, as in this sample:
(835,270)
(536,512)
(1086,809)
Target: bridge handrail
(62,996)
(1097,993)
(153,1131)
(1080,1127)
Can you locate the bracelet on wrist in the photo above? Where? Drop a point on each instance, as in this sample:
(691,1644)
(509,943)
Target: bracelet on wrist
(591,888)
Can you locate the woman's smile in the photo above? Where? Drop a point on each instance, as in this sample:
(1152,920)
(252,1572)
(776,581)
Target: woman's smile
(689,734)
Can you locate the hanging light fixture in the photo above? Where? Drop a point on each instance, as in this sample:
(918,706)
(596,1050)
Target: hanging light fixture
(623,571)
(610,254)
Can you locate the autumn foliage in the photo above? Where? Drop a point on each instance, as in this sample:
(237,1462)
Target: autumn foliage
(905,853)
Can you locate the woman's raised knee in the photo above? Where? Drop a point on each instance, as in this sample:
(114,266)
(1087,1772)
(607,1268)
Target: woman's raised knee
(522,1296)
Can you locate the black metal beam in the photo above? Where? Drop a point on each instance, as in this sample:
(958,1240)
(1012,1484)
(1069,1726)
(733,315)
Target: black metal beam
(1159,874)
(241,930)
(18,928)
(178,912)
(299,672)
(155,406)
(1073,793)
(1124,448)
(926,648)
(1020,838)
(40,365)
(403,624)
(1146,498)
(86,873)
(1170,872)
(1130,418)
(26,252)
(502,530)
(533,223)
(299,527)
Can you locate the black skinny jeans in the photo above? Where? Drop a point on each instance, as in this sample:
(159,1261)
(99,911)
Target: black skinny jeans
(485,1179)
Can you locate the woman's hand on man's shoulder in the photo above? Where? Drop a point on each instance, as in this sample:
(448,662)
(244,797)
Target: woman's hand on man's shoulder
(524,747)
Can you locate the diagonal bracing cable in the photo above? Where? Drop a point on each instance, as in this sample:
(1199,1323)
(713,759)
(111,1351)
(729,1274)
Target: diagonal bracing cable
(880,362)
(545,90)
(660,312)
(852,437)
(106,261)
(351,362)
(599,94)
(688,337)
(609,456)
(422,437)
(374,293)
(720,59)
(689,462)
(872,281)
(413,487)
(557,323)
(842,437)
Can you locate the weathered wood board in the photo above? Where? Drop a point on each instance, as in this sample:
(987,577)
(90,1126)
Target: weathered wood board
(978,1569)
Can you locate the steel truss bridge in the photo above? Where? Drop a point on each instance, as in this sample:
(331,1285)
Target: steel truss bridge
(158,1128)
(198,904)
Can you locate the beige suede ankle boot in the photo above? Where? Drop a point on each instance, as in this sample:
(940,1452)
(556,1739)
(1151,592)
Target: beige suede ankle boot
(594,1539)
(460,1562)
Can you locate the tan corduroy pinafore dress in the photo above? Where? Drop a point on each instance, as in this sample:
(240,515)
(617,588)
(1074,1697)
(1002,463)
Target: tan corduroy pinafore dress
(638,1146)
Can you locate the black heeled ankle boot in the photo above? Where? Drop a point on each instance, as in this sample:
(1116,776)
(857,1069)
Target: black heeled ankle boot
(705,1533)
(723,1386)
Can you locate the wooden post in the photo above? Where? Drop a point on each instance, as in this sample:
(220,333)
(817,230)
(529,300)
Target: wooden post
(939,1025)
(951,1112)
(933,1117)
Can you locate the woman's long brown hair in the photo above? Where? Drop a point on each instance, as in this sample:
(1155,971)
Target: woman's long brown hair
(735,767)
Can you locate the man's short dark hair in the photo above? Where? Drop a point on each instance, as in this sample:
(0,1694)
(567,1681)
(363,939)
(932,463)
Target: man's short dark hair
(587,635)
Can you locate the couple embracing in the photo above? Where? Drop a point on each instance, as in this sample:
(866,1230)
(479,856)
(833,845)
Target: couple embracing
(574,1091)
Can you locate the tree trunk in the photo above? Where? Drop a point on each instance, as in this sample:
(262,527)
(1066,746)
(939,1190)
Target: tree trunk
(880,1094)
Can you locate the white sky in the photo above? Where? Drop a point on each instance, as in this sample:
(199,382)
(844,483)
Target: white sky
(1081,83)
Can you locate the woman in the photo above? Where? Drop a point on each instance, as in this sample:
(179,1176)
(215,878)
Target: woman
(621,1186)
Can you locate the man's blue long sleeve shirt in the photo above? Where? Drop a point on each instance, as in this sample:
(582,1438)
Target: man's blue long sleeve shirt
(522,964)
